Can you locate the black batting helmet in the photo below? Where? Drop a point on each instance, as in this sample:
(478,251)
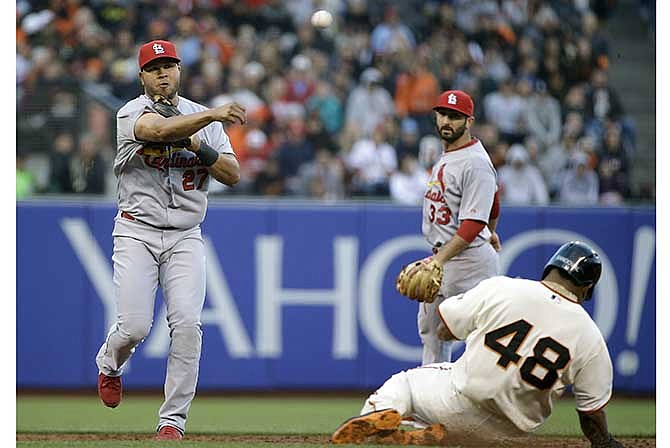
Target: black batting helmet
(579,262)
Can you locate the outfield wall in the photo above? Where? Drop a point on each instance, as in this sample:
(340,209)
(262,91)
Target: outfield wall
(302,295)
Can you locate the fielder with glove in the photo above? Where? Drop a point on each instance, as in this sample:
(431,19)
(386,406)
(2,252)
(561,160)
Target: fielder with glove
(460,214)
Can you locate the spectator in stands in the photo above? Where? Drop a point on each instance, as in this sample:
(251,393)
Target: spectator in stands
(590,29)
(495,65)
(506,110)
(575,100)
(369,103)
(89,167)
(60,177)
(533,147)
(292,153)
(613,169)
(487,133)
(430,151)
(327,105)
(323,178)
(581,60)
(408,185)
(520,182)
(392,35)
(269,181)
(187,41)
(602,103)
(243,87)
(25,181)
(579,183)
(317,135)
(281,109)
(253,160)
(499,154)
(408,143)
(371,162)
(556,158)
(543,116)
(300,79)
(586,144)
(416,91)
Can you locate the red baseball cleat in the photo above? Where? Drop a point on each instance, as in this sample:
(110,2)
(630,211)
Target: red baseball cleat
(109,390)
(168,432)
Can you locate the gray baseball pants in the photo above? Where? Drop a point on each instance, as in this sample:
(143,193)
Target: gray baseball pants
(145,257)
(461,273)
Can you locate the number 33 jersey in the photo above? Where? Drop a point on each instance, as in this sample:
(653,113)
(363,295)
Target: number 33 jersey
(159,184)
(525,342)
(461,186)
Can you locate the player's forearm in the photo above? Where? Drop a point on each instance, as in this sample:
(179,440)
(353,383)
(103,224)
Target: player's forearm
(454,247)
(594,427)
(495,213)
(177,128)
(226,169)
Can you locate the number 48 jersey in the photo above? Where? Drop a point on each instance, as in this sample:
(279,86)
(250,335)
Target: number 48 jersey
(525,342)
(461,186)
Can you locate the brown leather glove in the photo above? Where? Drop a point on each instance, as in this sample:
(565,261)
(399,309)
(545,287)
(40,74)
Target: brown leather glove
(420,280)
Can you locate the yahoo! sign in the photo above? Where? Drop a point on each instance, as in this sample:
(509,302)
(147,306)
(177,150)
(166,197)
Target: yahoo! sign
(300,296)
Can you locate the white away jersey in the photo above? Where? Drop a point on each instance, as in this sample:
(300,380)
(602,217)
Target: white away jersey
(160,187)
(524,344)
(461,186)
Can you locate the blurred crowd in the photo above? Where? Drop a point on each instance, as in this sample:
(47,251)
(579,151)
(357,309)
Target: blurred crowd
(336,112)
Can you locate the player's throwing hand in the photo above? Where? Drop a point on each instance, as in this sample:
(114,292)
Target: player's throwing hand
(230,113)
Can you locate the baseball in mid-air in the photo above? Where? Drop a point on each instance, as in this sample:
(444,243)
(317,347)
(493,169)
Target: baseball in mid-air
(322,18)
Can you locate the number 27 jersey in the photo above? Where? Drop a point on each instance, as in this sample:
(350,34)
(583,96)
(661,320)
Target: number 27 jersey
(461,186)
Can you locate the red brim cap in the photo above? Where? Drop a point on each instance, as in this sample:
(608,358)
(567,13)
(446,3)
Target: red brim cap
(456,100)
(156,49)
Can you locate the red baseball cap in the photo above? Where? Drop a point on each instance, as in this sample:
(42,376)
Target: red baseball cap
(456,100)
(156,49)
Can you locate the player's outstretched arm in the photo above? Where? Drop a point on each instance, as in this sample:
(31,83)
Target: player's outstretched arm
(594,427)
(153,127)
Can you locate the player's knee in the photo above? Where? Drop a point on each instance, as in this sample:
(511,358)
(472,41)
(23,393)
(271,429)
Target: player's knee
(393,394)
(136,330)
(183,320)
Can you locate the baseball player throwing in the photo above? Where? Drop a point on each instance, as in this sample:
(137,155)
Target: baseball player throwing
(460,214)
(526,341)
(168,149)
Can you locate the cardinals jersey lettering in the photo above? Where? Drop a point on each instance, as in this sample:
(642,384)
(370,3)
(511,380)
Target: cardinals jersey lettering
(461,186)
(163,186)
(525,342)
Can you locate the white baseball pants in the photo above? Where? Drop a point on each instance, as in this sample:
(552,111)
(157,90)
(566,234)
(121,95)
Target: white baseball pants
(428,395)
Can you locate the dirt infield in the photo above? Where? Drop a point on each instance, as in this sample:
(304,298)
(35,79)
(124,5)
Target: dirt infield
(535,442)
